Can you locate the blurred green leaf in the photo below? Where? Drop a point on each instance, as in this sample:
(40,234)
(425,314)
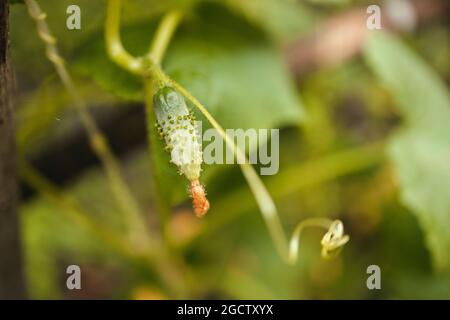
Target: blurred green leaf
(420,150)
(45,113)
(283,20)
(92,60)
(53,240)
(50,237)
(232,69)
(38,112)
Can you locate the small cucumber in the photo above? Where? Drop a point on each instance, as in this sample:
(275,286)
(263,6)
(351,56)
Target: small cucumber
(176,126)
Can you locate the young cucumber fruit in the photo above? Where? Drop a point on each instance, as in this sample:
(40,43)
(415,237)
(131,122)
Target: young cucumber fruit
(176,126)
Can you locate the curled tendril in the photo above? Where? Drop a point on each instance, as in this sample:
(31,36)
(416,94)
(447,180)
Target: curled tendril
(333,241)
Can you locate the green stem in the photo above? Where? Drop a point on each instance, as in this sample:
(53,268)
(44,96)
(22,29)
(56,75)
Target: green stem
(294,244)
(161,202)
(158,48)
(114,45)
(163,35)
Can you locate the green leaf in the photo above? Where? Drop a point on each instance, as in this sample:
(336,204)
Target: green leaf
(92,60)
(420,150)
(45,112)
(227,64)
(283,20)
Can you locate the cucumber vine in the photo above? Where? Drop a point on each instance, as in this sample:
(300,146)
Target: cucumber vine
(166,108)
(149,67)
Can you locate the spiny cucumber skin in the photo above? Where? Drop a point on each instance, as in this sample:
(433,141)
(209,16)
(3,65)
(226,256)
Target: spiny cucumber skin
(176,125)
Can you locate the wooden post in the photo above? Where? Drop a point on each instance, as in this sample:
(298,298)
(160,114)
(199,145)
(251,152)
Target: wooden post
(11,268)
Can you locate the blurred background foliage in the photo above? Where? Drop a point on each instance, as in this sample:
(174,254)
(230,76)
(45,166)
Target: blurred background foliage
(365,139)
